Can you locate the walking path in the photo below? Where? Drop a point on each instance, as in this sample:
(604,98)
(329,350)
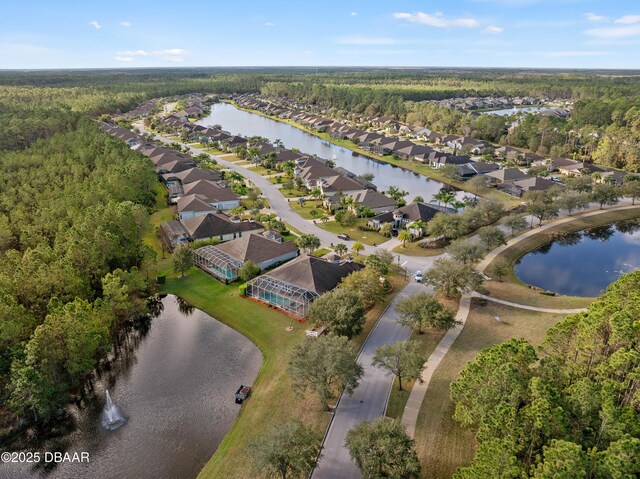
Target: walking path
(530,308)
(419,390)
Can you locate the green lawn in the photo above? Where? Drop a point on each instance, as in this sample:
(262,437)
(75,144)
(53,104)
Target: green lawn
(412,249)
(441,444)
(293,193)
(366,237)
(305,211)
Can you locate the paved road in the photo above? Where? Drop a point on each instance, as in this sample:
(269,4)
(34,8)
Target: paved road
(368,400)
(282,208)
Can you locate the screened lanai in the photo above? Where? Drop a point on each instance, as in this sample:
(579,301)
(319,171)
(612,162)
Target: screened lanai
(285,296)
(218,263)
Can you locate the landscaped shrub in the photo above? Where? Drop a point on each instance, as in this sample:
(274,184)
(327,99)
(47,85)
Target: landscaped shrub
(161,278)
(243,289)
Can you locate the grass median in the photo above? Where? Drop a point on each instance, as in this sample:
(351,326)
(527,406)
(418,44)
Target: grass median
(442,445)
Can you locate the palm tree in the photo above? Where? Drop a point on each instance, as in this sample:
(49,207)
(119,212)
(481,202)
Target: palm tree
(316,194)
(396,193)
(404,236)
(418,225)
(340,249)
(357,247)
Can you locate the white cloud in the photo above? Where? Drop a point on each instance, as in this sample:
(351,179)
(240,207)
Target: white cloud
(173,59)
(172,52)
(353,14)
(123,59)
(628,19)
(95,24)
(592,17)
(614,32)
(126,24)
(365,41)
(130,53)
(269,24)
(437,20)
(493,29)
(308,52)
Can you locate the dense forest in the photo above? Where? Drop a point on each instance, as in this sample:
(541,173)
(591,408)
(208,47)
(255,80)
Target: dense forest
(570,410)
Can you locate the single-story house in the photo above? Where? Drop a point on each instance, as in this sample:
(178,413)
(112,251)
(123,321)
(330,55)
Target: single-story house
(520,187)
(293,286)
(217,196)
(403,217)
(376,202)
(506,175)
(191,206)
(224,260)
(219,226)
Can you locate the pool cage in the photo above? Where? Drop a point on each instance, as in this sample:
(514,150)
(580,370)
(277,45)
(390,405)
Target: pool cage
(217,262)
(282,295)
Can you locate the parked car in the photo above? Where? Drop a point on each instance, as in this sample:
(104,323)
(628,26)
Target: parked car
(344,236)
(418,276)
(394,232)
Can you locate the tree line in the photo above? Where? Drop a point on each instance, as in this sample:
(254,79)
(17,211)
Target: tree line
(568,409)
(73,208)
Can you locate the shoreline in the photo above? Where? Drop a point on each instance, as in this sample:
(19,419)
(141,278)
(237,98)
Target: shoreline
(354,148)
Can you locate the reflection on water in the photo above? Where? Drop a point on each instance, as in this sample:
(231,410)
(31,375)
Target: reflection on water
(174,378)
(385,175)
(516,111)
(583,263)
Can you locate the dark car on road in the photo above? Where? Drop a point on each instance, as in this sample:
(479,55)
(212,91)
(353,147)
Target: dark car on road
(344,236)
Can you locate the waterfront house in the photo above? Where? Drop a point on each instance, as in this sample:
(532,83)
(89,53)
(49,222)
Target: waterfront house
(293,286)
(225,260)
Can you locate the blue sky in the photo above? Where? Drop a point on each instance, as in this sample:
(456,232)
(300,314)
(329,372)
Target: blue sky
(477,33)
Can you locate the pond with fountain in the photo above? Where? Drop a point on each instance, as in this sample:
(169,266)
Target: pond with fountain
(160,407)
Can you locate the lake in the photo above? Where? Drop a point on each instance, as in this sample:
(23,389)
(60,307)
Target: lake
(175,381)
(243,123)
(514,111)
(583,263)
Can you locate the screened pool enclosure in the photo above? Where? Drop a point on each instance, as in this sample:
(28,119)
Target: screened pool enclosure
(282,295)
(218,263)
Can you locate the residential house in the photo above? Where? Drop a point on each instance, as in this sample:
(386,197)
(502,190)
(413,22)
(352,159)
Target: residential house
(224,260)
(221,198)
(406,215)
(370,199)
(219,226)
(506,175)
(293,286)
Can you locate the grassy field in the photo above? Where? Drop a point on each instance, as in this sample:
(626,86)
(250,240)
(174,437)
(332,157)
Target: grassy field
(305,211)
(398,399)
(512,289)
(442,445)
(412,249)
(366,237)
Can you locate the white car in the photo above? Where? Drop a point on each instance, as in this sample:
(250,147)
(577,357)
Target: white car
(418,276)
